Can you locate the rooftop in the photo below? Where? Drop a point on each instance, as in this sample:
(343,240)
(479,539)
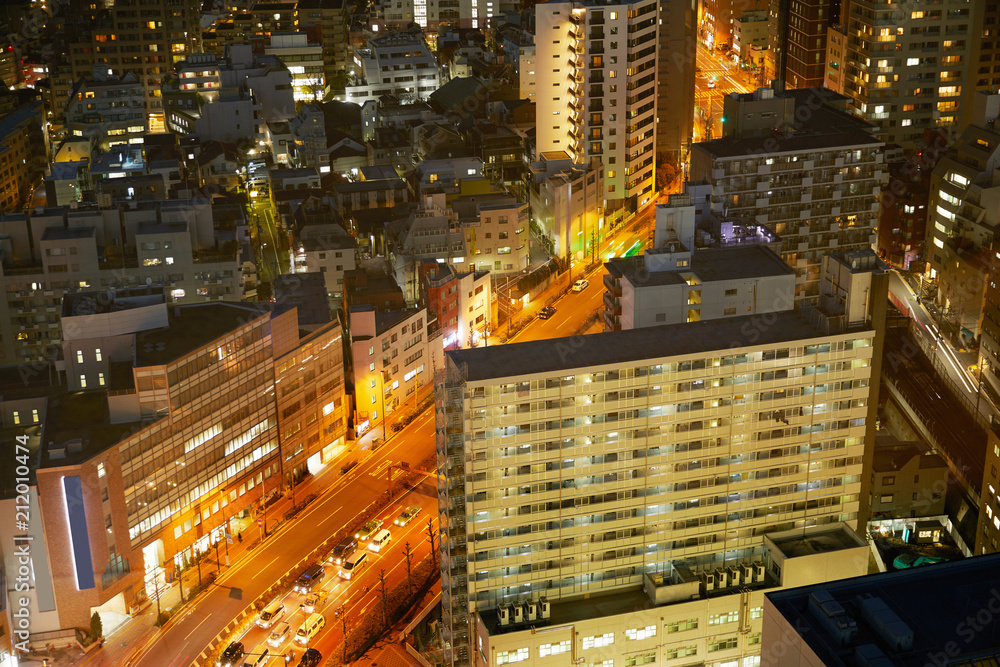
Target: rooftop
(633,345)
(63,234)
(930,608)
(891,455)
(818,540)
(823,127)
(78,304)
(192,326)
(387,319)
(77,426)
(709,265)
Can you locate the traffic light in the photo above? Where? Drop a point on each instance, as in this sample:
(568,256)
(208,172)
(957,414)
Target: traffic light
(723,119)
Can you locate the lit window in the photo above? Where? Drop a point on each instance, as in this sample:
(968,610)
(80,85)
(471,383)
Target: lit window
(598,641)
(636,634)
(98,355)
(83,381)
(17,418)
(100,469)
(100,379)
(371,367)
(507,657)
(79,356)
(34,415)
(553,649)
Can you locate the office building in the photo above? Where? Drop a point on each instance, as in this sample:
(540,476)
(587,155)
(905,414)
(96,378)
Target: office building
(132,481)
(885,619)
(962,189)
(187,246)
(911,68)
(808,22)
(596,92)
(798,162)
(676,63)
(579,468)
(988,529)
(399,64)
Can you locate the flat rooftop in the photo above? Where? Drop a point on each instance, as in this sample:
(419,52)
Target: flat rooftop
(192,326)
(938,603)
(823,127)
(709,265)
(632,345)
(794,544)
(112,301)
(63,234)
(81,417)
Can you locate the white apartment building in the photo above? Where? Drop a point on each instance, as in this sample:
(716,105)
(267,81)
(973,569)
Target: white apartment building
(596,90)
(460,301)
(496,229)
(575,471)
(567,203)
(398,64)
(393,358)
(304,61)
(964,205)
(107,109)
(675,281)
(436,13)
(799,163)
(53,252)
(913,68)
(331,251)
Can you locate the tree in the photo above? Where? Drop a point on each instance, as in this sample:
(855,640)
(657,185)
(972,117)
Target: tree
(409,565)
(430,534)
(96,627)
(666,170)
(382,594)
(342,615)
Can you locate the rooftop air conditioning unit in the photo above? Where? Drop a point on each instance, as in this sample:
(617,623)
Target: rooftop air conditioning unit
(518,612)
(722,578)
(532,610)
(747,573)
(708,580)
(544,608)
(758,572)
(734,575)
(503,612)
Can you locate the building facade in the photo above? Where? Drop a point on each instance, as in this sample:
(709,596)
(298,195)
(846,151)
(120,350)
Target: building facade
(152,488)
(675,78)
(107,110)
(913,68)
(599,466)
(596,91)
(567,203)
(988,530)
(816,186)
(461,302)
(398,64)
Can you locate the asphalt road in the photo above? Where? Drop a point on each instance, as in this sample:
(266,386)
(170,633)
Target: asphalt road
(727,78)
(190,633)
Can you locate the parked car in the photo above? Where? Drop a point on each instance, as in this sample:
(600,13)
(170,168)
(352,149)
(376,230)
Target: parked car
(407,515)
(347,467)
(314,600)
(369,529)
(232,656)
(546,312)
(580,285)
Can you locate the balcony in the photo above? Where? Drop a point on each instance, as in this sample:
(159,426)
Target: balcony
(612,285)
(612,305)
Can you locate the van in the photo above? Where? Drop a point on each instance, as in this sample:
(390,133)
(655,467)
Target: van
(258,657)
(271,614)
(343,550)
(309,579)
(279,634)
(382,538)
(310,628)
(353,564)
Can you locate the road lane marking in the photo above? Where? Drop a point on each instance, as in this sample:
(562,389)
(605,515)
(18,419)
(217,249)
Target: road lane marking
(261,570)
(188,635)
(331,515)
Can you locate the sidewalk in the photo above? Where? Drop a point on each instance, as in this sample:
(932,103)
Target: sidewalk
(124,643)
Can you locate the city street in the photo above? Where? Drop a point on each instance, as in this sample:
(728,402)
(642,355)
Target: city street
(189,634)
(727,78)
(955,364)
(275,261)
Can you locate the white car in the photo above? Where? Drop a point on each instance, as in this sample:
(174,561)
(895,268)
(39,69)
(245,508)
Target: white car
(580,285)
